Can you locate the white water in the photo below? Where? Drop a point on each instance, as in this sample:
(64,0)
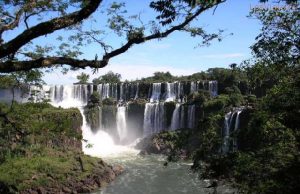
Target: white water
(121,123)
(175,123)
(154,115)
(236,127)
(171,93)
(226,132)
(230,125)
(99,144)
(156,92)
(191,116)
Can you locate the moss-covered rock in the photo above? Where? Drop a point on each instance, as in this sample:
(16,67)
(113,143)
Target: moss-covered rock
(40,152)
(109,115)
(55,172)
(93,115)
(109,102)
(179,144)
(135,118)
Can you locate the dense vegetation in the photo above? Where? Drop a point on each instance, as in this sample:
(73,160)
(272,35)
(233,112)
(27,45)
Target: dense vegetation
(268,155)
(41,151)
(40,140)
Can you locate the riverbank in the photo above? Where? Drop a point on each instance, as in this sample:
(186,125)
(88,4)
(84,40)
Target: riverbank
(41,152)
(61,172)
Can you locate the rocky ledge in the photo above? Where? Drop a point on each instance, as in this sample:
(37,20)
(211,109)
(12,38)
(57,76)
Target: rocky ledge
(67,174)
(170,143)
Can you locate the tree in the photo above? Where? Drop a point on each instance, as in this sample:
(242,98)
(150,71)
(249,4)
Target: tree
(24,52)
(277,49)
(83,78)
(162,76)
(109,77)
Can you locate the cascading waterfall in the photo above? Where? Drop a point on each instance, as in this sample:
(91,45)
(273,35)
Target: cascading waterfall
(156,92)
(171,92)
(236,127)
(95,144)
(193,87)
(191,116)
(231,124)
(213,88)
(154,118)
(121,123)
(226,132)
(175,123)
(137,91)
(180,92)
(182,117)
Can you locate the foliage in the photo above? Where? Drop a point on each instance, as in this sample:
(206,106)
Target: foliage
(83,78)
(109,101)
(95,98)
(26,51)
(22,80)
(216,104)
(109,77)
(36,123)
(199,97)
(52,168)
(268,157)
(277,49)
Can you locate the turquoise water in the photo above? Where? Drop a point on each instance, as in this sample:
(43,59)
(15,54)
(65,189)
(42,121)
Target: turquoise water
(148,175)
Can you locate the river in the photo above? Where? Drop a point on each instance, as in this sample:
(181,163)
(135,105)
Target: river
(149,175)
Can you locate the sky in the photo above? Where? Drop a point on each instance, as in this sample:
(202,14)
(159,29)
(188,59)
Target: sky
(177,53)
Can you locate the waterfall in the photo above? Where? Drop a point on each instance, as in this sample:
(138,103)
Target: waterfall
(182,118)
(226,132)
(193,87)
(121,123)
(213,88)
(170,93)
(156,92)
(154,118)
(191,116)
(180,92)
(121,93)
(105,91)
(236,127)
(175,123)
(230,126)
(137,91)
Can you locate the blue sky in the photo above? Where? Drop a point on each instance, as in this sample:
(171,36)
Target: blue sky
(177,53)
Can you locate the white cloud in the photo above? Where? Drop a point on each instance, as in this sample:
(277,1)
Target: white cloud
(222,56)
(129,72)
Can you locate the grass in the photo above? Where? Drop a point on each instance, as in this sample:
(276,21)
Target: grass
(24,172)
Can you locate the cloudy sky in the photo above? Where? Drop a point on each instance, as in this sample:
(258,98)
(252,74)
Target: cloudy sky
(177,53)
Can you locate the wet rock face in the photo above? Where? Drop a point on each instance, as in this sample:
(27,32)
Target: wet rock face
(152,145)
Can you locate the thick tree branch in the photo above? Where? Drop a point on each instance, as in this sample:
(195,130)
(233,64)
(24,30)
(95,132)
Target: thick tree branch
(48,27)
(11,66)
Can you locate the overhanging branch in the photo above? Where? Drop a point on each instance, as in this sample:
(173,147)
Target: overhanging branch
(48,27)
(12,66)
